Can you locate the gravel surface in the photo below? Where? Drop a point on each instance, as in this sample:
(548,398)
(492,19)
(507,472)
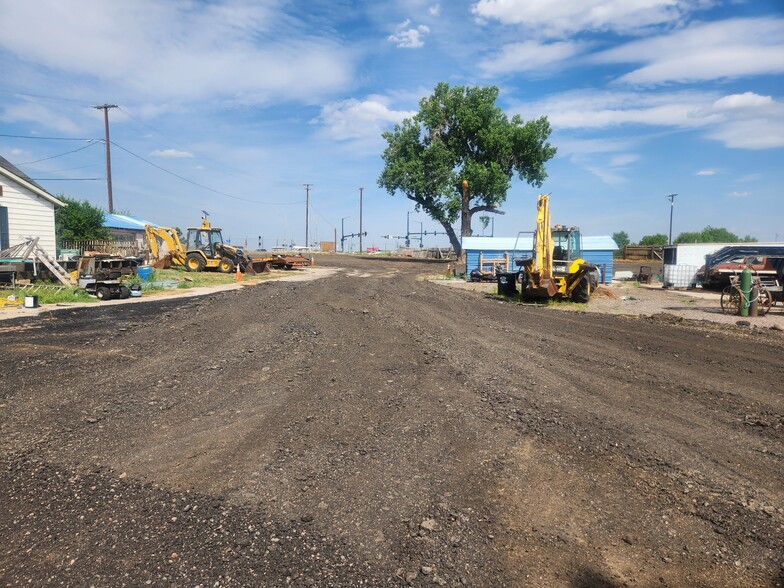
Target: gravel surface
(632,299)
(373,427)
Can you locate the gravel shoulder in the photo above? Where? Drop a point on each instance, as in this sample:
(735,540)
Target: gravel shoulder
(631,299)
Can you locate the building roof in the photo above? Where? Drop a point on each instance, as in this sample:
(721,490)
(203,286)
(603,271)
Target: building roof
(9,170)
(122,221)
(525,242)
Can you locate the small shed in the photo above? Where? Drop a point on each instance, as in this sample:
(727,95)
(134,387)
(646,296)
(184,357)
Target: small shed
(498,253)
(26,209)
(126,228)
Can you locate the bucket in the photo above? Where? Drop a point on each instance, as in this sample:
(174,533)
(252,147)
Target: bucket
(31,302)
(144,272)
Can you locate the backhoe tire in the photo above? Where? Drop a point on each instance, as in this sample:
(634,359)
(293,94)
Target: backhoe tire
(103,293)
(582,293)
(226,266)
(195,262)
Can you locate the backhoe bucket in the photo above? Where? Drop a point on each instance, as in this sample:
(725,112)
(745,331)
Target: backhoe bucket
(257,266)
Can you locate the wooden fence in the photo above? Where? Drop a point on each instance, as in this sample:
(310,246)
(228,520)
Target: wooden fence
(642,252)
(114,247)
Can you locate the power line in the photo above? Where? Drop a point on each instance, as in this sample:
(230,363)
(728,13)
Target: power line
(184,179)
(178,144)
(68,179)
(90,144)
(46,138)
(62,169)
(202,186)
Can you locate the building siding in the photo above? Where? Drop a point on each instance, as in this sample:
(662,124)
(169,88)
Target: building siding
(29,215)
(600,257)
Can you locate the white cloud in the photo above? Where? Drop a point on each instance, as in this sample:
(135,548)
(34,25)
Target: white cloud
(179,50)
(409,38)
(706,172)
(355,119)
(569,146)
(171,153)
(42,116)
(748,121)
(739,194)
(745,121)
(564,17)
(595,110)
(608,177)
(623,159)
(529,55)
(434,10)
(704,51)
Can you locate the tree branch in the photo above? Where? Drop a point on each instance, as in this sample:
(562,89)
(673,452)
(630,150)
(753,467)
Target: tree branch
(486,208)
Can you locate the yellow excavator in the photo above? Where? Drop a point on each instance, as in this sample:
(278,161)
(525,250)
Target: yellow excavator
(556,268)
(204,250)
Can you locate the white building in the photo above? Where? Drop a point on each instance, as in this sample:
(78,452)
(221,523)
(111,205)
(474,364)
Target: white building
(26,210)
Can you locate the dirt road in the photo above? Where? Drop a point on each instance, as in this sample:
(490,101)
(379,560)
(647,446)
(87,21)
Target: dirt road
(373,428)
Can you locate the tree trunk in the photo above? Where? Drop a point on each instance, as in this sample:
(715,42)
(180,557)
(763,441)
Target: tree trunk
(465,220)
(454,240)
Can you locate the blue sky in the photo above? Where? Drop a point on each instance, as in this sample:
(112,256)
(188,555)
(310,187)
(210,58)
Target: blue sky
(248,101)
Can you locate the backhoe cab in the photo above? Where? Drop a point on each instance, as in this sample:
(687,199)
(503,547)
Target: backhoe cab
(204,250)
(556,268)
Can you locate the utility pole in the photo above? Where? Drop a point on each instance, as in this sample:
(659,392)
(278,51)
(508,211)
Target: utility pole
(360,219)
(105,108)
(672,205)
(307,208)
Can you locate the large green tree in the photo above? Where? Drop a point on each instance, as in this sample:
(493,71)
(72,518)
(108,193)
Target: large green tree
(713,235)
(79,221)
(621,239)
(459,135)
(657,240)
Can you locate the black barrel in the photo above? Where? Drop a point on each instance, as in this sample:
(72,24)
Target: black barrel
(507,283)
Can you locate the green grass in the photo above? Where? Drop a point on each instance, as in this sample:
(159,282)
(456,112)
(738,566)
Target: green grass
(45,296)
(187,279)
(49,295)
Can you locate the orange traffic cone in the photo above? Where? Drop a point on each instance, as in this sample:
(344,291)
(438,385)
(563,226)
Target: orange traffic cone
(238,275)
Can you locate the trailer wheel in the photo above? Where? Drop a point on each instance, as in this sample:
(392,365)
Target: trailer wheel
(194,262)
(582,293)
(103,293)
(226,266)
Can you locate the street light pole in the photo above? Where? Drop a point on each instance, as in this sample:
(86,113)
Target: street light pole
(360,219)
(307,208)
(343,233)
(672,206)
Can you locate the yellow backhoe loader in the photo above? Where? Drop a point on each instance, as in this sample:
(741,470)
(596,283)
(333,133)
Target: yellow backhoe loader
(204,250)
(556,268)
